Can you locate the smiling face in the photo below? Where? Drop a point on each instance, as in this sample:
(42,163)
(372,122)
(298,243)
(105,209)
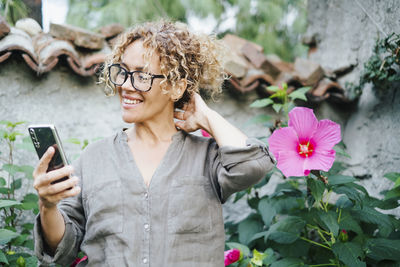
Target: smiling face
(137,106)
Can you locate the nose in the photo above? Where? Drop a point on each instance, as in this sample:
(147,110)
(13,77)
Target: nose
(127,85)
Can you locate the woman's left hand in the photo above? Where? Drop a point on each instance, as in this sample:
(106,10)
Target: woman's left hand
(194,115)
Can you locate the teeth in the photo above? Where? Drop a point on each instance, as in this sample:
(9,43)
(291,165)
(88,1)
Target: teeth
(130,101)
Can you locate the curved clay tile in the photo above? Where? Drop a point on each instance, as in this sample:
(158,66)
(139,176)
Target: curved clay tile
(263,78)
(18,40)
(236,84)
(5,56)
(325,89)
(49,50)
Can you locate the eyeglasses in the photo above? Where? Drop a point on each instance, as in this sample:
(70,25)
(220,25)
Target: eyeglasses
(141,81)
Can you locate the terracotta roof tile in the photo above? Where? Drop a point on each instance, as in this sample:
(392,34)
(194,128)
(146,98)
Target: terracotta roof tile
(249,68)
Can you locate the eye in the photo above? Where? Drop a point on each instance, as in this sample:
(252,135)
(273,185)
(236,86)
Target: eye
(143,77)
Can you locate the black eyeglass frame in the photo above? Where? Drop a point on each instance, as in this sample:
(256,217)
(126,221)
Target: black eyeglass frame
(153,76)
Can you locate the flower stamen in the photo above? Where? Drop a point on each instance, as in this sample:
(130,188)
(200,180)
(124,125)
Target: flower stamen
(305,149)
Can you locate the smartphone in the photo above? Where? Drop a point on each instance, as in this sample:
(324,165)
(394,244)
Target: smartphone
(43,136)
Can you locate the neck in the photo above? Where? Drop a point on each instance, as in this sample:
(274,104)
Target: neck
(152,133)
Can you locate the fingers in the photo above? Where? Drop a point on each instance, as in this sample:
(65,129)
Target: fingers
(180,125)
(45,179)
(51,200)
(60,187)
(50,195)
(180,115)
(44,162)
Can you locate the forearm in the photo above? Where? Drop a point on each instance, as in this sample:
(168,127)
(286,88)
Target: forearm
(223,132)
(53,226)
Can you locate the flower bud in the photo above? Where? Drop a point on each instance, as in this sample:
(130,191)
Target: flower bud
(343,236)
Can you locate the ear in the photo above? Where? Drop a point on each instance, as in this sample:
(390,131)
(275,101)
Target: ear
(179,90)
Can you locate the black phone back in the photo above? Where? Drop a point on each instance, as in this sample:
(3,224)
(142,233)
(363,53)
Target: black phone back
(43,138)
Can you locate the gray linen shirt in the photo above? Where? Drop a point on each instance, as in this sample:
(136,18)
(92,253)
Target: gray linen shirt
(117,220)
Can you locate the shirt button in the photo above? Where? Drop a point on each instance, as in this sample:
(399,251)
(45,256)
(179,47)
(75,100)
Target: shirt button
(145,260)
(146,226)
(146,195)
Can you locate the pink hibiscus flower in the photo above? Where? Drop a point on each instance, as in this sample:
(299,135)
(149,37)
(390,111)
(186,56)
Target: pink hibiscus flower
(231,256)
(306,144)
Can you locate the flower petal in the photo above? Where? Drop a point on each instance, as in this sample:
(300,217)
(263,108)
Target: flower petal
(327,135)
(320,160)
(303,121)
(291,164)
(284,139)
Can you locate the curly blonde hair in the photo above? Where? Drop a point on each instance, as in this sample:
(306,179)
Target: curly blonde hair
(183,55)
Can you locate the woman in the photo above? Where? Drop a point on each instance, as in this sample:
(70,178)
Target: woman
(151,195)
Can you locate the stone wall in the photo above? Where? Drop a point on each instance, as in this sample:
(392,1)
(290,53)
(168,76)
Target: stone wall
(345,33)
(78,107)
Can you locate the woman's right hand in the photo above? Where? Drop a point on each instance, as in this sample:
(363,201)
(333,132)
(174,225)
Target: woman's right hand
(50,194)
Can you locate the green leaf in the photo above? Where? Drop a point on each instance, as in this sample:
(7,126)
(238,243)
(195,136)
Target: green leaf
(73,141)
(4,190)
(31,197)
(273,88)
(244,249)
(6,236)
(29,205)
(8,203)
(3,258)
(317,188)
(10,168)
(383,249)
(2,181)
(288,262)
(370,215)
(286,231)
(340,151)
(239,195)
(270,256)
(393,193)
(297,249)
(31,262)
(277,107)
(27,170)
(259,235)
(348,223)
(258,258)
(330,220)
(17,184)
(28,226)
(392,176)
(260,103)
(299,93)
(10,218)
(29,244)
(340,179)
(350,192)
(349,253)
(248,228)
(266,210)
(19,240)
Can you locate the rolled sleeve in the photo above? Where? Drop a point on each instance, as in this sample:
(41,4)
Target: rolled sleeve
(235,169)
(66,250)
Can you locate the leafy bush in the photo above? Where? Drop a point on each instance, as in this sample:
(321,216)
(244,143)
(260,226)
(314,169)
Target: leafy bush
(16,204)
(323,219)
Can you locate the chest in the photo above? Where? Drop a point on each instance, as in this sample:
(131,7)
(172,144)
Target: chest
(148,158)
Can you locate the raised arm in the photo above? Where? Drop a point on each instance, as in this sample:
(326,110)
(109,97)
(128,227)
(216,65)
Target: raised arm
(197,115)
(235,162)
(57,237)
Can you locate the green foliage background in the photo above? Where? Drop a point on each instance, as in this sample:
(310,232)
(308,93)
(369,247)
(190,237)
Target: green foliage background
(262,21)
